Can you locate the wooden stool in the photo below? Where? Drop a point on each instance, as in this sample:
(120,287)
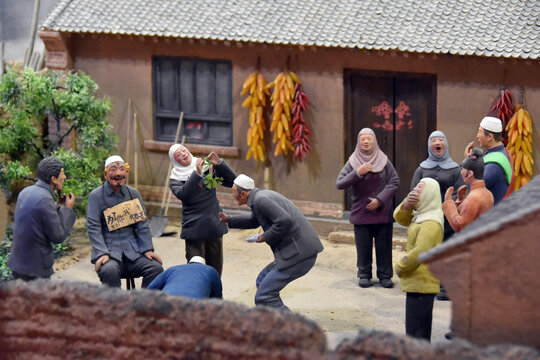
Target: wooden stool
(130,283)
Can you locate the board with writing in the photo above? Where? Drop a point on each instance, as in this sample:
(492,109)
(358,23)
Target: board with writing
(124,214)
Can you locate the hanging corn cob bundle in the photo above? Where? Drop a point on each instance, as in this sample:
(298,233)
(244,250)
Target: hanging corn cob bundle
(256,101)
(282,101)
(300,129)
(519,130)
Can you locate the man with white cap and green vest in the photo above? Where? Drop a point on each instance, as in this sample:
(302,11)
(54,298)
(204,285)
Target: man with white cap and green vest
(498,170)
(293,240)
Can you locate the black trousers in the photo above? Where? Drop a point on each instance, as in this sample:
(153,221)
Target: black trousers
(113,271)
(419,315)
(17,276)
(363,237)
(210,249)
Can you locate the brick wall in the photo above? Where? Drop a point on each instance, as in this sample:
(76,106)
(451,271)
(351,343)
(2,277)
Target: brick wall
(74,320)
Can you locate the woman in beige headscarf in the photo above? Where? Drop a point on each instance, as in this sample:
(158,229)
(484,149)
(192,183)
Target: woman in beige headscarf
(422,212)
(373,181)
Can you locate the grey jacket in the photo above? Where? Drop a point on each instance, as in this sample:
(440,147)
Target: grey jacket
(132,241)
(39,223)
(290,235)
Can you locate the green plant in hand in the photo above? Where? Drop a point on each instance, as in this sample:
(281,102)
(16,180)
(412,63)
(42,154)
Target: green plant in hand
(211,181)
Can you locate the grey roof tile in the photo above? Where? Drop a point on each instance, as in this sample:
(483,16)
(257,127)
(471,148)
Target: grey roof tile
(523,202)
(498,28)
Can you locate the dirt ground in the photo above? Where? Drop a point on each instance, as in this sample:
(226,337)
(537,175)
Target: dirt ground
(328,294)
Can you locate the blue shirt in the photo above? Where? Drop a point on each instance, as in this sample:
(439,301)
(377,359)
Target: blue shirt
(196,281)
(495,177)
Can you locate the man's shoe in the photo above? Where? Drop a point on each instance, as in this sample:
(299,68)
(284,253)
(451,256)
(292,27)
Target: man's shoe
(365,283)
(386,283)
(442,296)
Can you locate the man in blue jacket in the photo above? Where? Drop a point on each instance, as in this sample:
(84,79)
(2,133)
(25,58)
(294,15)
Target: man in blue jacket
(289,234)
(40,223)
(498,170)
(194,280)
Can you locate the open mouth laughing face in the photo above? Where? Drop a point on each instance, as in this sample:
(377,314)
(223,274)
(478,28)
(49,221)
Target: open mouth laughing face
(438,146)
(182,156)
(116,174)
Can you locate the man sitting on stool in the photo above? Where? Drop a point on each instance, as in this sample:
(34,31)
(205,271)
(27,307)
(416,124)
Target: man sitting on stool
(121,245)
(193,280)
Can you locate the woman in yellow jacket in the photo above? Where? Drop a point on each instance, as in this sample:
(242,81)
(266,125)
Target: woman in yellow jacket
(422,212)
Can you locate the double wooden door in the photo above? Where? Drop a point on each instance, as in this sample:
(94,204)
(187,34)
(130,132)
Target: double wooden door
(401,110)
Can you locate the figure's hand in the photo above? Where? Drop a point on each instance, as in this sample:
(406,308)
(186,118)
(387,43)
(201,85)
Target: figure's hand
(152,255)
(364,169)
(374,203)
(213,158)
(101,261)
(198,165)
(223,217)
(411,200)
(260,239)
(70,200)
(462,192)
(449,193)
(469,149)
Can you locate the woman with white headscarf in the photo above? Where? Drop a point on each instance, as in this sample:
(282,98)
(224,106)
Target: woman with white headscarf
(422,212)
(440,166)
(201,227)
(373,181)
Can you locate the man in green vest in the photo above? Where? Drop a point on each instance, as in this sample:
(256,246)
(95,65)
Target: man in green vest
(498,171)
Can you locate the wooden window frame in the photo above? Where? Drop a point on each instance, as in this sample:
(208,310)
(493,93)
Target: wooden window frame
(204,119)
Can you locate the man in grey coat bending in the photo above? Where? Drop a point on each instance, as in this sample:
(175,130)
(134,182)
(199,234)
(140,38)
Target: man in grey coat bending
(289,234)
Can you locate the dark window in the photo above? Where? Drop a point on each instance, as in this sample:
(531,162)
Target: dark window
(202,89)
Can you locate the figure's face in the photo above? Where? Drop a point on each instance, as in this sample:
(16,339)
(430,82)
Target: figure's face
(437,145)
(482,138)
(467,175)
(58,182)
(419,188)
(182,156)
(116,174)
(367,142)
(240,197)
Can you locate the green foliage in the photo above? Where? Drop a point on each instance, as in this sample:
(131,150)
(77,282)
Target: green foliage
(210,181)
(5,247)
(33,107)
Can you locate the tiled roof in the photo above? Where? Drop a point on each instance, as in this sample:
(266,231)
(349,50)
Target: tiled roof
(520,203)
(494,28)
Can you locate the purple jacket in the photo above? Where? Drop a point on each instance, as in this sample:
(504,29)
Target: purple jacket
(382,185)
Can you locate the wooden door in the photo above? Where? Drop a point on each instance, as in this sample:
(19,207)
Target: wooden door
(400,108)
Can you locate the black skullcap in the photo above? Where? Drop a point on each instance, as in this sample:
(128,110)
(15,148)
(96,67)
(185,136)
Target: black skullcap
(475,162)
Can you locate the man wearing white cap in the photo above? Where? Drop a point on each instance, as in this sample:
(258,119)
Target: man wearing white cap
(125,250)
(194,280)
(498,170)
(289,234)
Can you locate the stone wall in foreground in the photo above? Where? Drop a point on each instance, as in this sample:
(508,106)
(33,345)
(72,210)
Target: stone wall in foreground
(74,320)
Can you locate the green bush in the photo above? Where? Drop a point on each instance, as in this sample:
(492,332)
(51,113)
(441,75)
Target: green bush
(32,108)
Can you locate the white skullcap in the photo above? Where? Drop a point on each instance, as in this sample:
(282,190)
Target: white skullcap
(492,124)
(244,181)
(111,159)
(197,259)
